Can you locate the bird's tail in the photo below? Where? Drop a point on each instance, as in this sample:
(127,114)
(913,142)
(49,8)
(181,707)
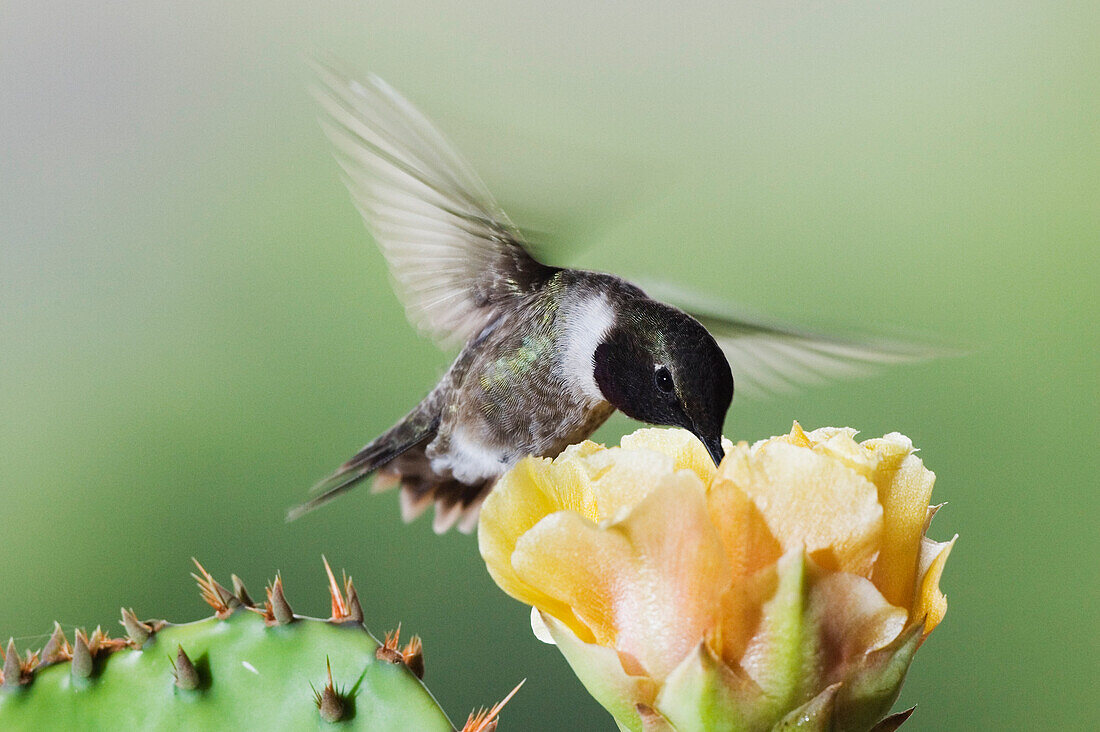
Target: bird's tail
(456,504)
(403,436)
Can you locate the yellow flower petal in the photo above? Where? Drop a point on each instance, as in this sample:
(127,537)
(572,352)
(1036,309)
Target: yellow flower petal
(535,488)
(841,446)
(823,434)
(564,480)
(809,500)
(685,449)
(905,488)
(635,585)
(798,437)
(622,477)
(930,603)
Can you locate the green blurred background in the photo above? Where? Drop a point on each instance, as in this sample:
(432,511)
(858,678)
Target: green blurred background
(194,325)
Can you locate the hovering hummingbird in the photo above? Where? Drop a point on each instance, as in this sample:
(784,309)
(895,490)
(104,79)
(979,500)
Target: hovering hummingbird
(548,353)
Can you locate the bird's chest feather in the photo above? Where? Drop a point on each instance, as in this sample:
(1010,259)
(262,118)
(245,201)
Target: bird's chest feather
(515,398)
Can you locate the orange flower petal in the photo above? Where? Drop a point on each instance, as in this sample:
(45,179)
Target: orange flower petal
(748,542)
(648,585)
(739,614)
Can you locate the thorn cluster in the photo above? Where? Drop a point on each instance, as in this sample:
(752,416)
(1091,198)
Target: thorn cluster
(20,671)
(388,651)
(276,611)
(222,600)
(57,648)
(330,701)
(485,720)
(87,647)
(183,670)
(138,632)
(345,604)
(17,671)
(240,592)
(412,655)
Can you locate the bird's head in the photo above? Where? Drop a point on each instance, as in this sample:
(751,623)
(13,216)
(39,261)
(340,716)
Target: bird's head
(659,365)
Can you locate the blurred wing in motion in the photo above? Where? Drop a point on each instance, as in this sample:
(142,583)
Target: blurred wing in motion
(456,258)
(769,358)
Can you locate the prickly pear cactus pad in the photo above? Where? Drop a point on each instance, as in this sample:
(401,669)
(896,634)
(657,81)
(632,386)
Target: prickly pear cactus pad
(250,666)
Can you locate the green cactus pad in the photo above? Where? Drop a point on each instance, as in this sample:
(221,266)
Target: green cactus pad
(245,668)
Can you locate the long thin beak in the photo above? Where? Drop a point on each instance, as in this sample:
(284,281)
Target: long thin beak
(714,447)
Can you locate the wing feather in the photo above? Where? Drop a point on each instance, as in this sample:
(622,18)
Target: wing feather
(455,257)
(770,358)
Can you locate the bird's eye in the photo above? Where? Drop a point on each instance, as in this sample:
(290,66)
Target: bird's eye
(663,379)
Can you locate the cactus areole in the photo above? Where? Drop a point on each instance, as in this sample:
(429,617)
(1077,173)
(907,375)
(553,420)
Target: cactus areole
(251,666)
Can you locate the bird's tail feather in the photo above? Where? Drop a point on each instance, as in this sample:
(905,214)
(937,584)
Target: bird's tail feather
(398,439)
(456,504)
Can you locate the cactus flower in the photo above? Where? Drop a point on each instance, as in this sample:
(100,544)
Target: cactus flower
(787,588)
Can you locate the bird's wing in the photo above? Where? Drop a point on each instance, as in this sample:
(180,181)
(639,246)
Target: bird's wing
(456,258)
(769,358)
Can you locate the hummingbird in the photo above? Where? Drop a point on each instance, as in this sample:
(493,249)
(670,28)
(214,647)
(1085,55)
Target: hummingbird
(547,353)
